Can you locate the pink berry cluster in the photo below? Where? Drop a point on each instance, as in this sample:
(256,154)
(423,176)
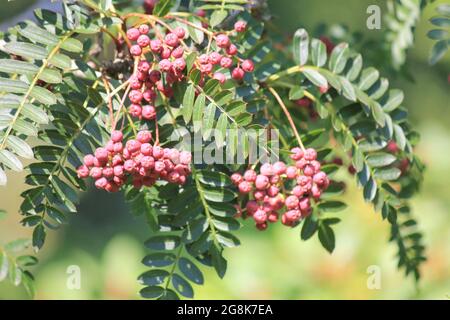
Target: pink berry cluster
(281,187)
(226,58)
(112,165)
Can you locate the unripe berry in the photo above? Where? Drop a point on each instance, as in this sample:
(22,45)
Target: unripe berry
(223,41)
(135,50)
(226,62)
(237,74)
(240,26)
(248,66)
(133,34)
(172,40)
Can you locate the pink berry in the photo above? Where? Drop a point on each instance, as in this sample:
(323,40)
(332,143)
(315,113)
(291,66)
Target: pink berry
(232,50)
(248,66)
(279,167)
(133,34)
(165,65)
(214,58)
(133,146)
(297,153)
(154,76)
(166,53)
(178,52)
(179,31)
(135,50)
(206,68)
(118,171)
(158,152)
(226,62)
(310,154)
(144,28)
(156,46)
(291,202)
(185,157)
(146,149)
(236,178)
(135,96)
(143,41)
(259,195)
(237,74)
(148,112)
(89,160)
(293,215)
(240,26)
(101,154)
(172,40)
(262,182)
(251,207)
(116,136)
(144,66)
(223,41)
(144,136)
(245,187)
(266,169)
(260,216)
(101,183)
(83,171)
(108,172)
(135,110)
(179,64)
(129,165)
(250,175)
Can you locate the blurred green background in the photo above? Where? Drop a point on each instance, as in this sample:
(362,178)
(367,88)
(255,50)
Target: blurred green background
(105,240)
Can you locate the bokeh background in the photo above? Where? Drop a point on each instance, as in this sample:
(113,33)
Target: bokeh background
(105,240)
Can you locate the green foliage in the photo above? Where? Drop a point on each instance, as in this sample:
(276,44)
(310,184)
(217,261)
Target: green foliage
(440,35)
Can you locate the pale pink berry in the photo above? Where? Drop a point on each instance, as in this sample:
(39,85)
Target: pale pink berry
(279,167)
(251,207)
(133,146)
(248,66)
(135,110)
(178,52)
(118,171)
(129,165)
(108,172)
(304,204)
(143,66)
(159,166)
(135,83)
(323,89)
(135,96)
(149,95)
(206,68)
(259,195)
(272,191)
(147,162)
(226,62)
(144,28)
(266,169)
(291,172)
(293,215)
(320,178)
(308,170)
(133,34)
(165,65)
(301,163)
(220,77)
(185,157)
(240,26)
(179,64)
(172,40)
(223,41)
(146,149)
(297,153)
(158,152)
(316,192)
(143,41)
(96,172)
(203,59)
(237,74)
(298,191)
(261,182)
(148,112)
(135,50)
(101,183)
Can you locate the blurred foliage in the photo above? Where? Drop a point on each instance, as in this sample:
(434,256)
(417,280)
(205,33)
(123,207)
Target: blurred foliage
(275,264)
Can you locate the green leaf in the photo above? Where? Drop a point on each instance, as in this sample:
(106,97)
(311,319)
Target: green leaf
(182,286)
(25,127)
(222,209)
(38,237)
(218,261)
(368,78)
(159,260)
(227,239)
(35,114)
(208,120)
(347,89)
(197,116)
(18,245)
(226,224)
(188,103)
(217,17)
(387,174)
(318,52)
(221,127)
(16,66)
(315,77)
(163,7)
(163,242)
(438,34)
(326,237)
(197,35)
(332,206)
(296,93)
(194,230)
(20,147)
(301,46)
(51,76)
(438,51)
(26,50)
(151,292)
(218,195)
(309,227)
(190,271)
(61,61)
(3,179)
(10,160)
(43,95)
(153,277)
(338,58)
(380,159)
(4,266)
(36,34)
(214,178)
(72,45)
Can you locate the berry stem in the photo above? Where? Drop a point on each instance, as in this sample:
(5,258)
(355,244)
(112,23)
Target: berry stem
(288,115)
(110,106)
